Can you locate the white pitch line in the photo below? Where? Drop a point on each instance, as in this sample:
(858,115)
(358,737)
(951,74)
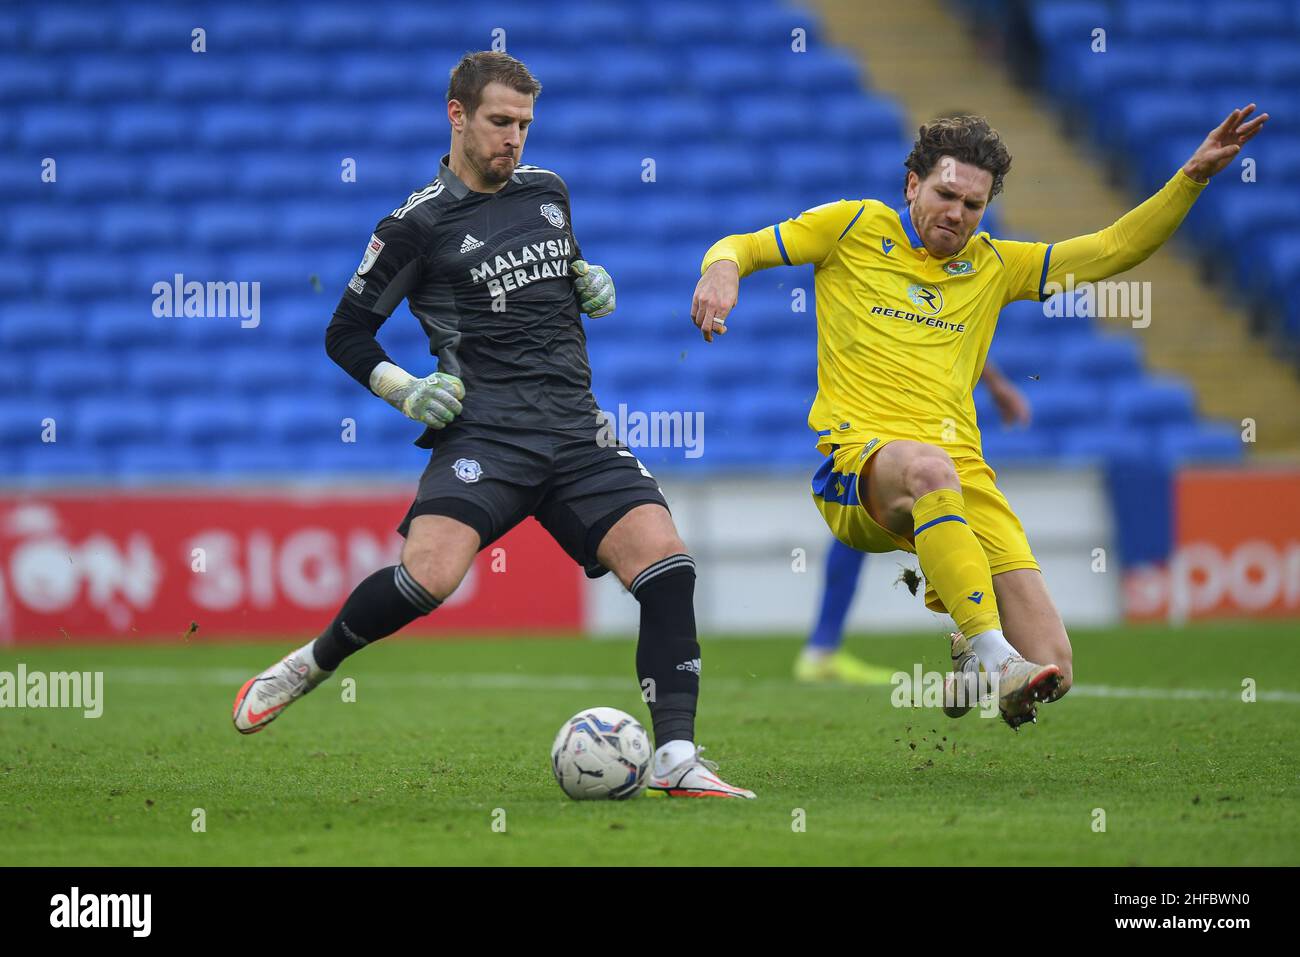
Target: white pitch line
(509,681)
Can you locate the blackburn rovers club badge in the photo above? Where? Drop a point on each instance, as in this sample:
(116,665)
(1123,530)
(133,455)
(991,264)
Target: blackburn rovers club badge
(959,267)
(554,215)
(467,470)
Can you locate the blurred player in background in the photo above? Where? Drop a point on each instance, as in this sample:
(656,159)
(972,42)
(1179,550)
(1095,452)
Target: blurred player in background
(486,257)
(823,659)
(907,300)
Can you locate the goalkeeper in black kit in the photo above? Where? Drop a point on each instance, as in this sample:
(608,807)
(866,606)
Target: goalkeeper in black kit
(486,258)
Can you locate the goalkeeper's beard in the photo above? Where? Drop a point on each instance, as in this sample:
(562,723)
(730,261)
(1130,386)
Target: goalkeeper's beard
(491,172)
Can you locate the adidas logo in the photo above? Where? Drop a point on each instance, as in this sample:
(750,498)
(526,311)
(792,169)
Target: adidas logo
(693,665)
(470,243)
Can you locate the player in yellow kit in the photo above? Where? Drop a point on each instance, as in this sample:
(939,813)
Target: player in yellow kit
(907,301)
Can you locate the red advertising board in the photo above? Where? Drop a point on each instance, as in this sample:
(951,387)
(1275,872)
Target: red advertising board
(91,567)
(1236,549)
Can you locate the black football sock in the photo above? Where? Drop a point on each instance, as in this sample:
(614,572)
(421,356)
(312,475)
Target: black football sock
(667,653)
(387,601)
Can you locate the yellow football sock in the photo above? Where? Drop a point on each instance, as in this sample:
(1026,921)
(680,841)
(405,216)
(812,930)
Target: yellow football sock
(953,561)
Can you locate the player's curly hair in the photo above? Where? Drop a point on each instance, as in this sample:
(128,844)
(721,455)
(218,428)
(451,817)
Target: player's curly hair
(477,70)
(967,139)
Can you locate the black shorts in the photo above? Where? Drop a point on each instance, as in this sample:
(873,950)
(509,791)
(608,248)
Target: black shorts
(491,479)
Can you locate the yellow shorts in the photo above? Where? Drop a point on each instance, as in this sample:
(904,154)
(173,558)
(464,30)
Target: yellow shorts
(840,496)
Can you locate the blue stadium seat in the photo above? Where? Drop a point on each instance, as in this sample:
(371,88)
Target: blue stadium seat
(121,422)
(145,29)
(38,227)
(85,276)
(26,80)
(1202,442)
(1086,443)
(139,128)
(1155,401)
(188,176)
(328,27)
(190,78)
(56,31)
(291,78)
(252,27)
(22,421)
(228,226)
(127,228)
(1103,360)
(109,79)
(149,464)
(1002,447)
(199,421)
(44,466)
(123,323)
(55,128)
(1158,18)
(240,460)
(165,373)
(1058,405)
(820,74)
(1251,18)
(236,127)
(72,370)
(711,68)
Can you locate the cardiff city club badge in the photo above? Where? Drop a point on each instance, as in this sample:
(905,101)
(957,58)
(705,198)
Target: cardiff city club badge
(554,215)
(467,470)
(372,253)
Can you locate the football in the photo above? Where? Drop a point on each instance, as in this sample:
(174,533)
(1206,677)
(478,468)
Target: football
(601,753)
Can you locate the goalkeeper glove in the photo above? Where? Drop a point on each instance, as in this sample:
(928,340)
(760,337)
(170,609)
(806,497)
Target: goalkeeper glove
(433,400)
(594,288)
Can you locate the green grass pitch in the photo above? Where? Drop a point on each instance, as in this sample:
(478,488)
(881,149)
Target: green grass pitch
(442,734)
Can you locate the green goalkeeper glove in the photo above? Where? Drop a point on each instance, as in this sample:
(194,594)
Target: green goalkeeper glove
(594,288)
(433,400)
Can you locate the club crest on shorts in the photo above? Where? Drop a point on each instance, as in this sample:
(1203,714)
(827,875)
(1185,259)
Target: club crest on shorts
(373,250)
(554,215)
(467,470)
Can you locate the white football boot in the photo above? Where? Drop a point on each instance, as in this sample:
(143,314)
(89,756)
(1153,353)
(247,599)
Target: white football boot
(965,673)
(695,777)
(1021,685)
(263,698)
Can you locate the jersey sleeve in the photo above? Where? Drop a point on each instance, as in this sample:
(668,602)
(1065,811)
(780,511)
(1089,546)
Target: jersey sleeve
(390,267)
(1034,267)
(810,237)
(388,272)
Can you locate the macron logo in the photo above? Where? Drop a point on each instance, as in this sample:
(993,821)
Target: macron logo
(976,596)
(469,244)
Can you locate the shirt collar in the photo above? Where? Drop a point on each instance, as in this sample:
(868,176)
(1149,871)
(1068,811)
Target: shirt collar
(456,186)
(909,230)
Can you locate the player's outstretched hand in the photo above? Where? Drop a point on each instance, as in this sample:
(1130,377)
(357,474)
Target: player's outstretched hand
(715,296)
(1224,143)
(594,288)
(433,400)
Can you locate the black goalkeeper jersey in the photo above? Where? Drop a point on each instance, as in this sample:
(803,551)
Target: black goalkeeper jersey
(487,275)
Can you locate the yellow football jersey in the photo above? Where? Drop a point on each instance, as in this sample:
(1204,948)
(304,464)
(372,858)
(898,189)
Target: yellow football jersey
(902,336)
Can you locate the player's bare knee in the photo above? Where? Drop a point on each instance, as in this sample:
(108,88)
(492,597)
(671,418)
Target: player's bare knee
(435,576)
(930,471)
